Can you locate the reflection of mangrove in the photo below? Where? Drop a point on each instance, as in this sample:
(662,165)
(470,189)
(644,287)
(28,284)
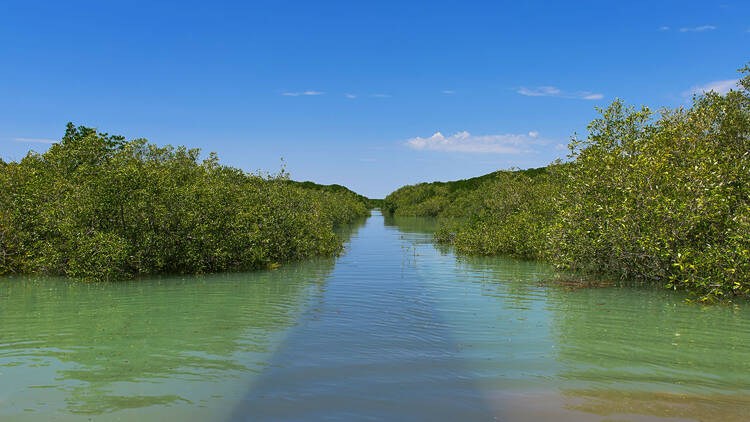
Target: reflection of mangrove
(423,225)
(418,225)
(514,280)
(647,353)
(576,282)
(347,231)
(150,330)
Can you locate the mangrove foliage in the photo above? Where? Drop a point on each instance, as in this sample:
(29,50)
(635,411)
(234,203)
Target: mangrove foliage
(98,207)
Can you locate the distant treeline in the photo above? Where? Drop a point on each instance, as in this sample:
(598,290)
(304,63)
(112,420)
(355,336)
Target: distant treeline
(662,197)
(370,203)
(459,198)
(98,207)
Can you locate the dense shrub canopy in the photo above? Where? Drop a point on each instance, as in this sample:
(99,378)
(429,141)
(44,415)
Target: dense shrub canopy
(98,207)
(508,215)
(663,198)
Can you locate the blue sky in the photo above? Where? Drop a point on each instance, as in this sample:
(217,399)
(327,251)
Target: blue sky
(371,95)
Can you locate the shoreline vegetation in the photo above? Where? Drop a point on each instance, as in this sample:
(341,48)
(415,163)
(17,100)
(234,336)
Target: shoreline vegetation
(660,197)
(96,207)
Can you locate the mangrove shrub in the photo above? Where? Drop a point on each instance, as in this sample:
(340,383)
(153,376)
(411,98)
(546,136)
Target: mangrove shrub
(98,207)
(664,197)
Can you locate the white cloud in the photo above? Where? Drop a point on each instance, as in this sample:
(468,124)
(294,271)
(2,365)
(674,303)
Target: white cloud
(466,142)
(698,28)
(297,94)
(350,96)
(540,91)
(381,95)
(591,96)
(663,28)
(35,140)
(719,87)
(551,91)
(448,91)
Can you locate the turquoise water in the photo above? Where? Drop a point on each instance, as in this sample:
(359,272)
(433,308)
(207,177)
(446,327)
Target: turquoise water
(394,329)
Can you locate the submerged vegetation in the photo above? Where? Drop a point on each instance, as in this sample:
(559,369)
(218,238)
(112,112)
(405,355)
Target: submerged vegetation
(660,197)
(98,207)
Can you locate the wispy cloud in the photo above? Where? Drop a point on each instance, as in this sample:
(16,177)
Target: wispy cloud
(540,91)
(297,94)
(664,28)
(698,28)
(350,96)
(380,95)
(466,142)
(719,87)
(551,91)
(35,140)
(591,96)
(448,91)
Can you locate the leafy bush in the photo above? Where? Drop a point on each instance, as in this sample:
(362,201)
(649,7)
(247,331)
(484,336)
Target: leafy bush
(97,207)
(514,211)
(663,199)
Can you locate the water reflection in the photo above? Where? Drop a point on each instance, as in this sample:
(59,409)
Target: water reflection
(139,348)
(412,225)
(96,342)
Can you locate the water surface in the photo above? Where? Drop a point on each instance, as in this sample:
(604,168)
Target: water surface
(394,329)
